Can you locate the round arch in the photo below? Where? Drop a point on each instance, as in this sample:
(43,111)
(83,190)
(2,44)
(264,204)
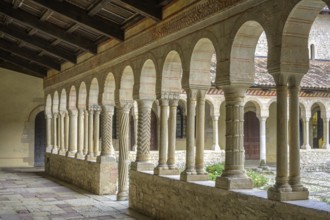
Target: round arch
(108,97)
(63,101)
(172,73)
(126,85)
(48,108)
(147,84)
(72,98)
(82,96)
(93,92)
(56,102)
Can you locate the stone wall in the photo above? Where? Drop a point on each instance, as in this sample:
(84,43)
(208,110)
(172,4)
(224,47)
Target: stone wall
(98,178)
(165,198)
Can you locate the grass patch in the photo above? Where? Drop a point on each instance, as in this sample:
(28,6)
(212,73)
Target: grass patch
(326,200)
(216,170)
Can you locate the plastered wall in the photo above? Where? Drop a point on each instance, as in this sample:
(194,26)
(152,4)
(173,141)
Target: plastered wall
(21,99)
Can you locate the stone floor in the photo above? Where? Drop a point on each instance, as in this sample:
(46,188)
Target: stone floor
(29,194)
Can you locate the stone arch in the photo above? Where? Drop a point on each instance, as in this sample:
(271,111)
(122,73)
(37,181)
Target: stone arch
(242,55)
(146,85)
(48,108)
(63,101)
(316,124)
(93,92)
(56,102)
(200,63)
(108,97)
(295,51)
(257,104)
(82,96)
(125,93)
(172,73)
(72,99)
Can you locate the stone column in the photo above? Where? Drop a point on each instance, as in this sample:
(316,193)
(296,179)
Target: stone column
(162,165)
(262,121)
(62,134)
(143,162)
(96,136)
(81,134)
(189,171)
(55,135)
(172,138)
(90,153)
(326,144)
(306,134)
(107,151)
(86,131)
(48,133)
(123,162)
(234,176)
(66,131)
(281,186)
(135,118)
(73,134)
(294,177)
(215,120)
(200,137)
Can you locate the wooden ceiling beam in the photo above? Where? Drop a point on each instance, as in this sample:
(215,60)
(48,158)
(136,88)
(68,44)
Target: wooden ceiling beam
(80,16)
(14,67)
(97,7)
(144,8)
(27,54)
(38,42)
(47,28)
(36,69)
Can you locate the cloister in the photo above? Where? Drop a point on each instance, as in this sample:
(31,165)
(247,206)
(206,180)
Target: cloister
(154,93)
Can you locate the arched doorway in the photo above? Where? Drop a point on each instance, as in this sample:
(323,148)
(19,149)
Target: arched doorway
(251,136)
(317,126)
(39,139)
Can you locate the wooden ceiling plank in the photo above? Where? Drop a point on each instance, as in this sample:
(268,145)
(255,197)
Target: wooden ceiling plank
(39,43)
(26,53)
(80,16)
(14,67)
(38,70)
(97,7)
(144,9)
(47,28)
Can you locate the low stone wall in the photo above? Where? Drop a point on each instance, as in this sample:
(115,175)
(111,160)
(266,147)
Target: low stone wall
(98,178)
(165,198)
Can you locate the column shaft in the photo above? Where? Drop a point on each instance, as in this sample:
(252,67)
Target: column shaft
(306,134)
(48,133)
(172,134)
(81,128)
(200,133)
(62,134)
(73,133)
(215,120)
(326,144)
(66,131)
(55,136)
(107,152)
(86,132)
(262,121)
(123,153)
(96,134)
(90,153)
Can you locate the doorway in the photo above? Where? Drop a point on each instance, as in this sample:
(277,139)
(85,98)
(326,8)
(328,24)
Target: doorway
(39,139)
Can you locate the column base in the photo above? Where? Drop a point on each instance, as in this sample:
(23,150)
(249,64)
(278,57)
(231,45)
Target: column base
(142,166)
(122,196)
(49,149)
(105,159)
(326,146)
(80,156)
(194,177)
(62,152)
(90,158)
(166,171)
(229,183)
(278,195)
(71,154)
(54,151)
(306,147)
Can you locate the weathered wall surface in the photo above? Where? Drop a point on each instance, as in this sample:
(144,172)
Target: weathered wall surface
(98,178)
(21,98)
(164,198)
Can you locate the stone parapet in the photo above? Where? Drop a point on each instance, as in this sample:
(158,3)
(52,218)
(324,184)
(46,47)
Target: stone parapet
(168,198)
(98,178)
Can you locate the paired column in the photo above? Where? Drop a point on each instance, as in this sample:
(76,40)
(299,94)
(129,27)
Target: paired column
(90,152)
(66,132)
(81,134)
(306,134)
(162,165)
(73,133)
(55,134)
(234,176)
(86,131)
(62,134)
(107,151)
(123,162)
(48,133)
(326,144)
(143,162)
(171,163)
(96,130)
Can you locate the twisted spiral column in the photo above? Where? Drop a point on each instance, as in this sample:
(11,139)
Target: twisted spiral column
(123,152)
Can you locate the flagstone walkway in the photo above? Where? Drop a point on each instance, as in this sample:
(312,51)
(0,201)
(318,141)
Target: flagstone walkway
(27,193)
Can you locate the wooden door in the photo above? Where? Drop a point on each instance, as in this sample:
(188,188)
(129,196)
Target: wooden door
(251,136)
(40,139)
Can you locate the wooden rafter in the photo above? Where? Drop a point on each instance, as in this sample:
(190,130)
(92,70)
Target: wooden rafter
(14,67)
(144,8)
